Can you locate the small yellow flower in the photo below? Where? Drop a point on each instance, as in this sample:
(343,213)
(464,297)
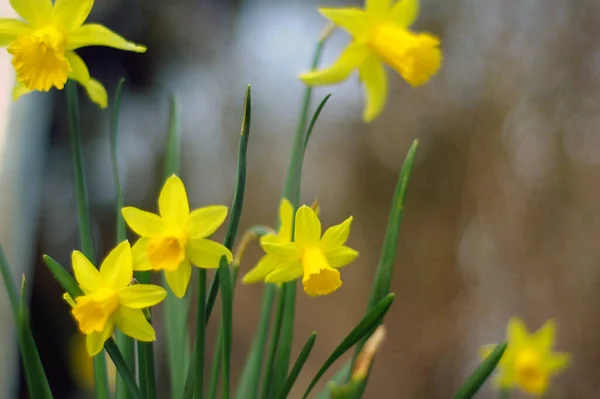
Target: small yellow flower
(109,299)
(381,35)
(316,258)
(529,361)
(268,262)
(43,45)
(176,238)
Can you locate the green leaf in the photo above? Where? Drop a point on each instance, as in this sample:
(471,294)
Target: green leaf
(227,321)
(83,215)
(66,281)
(314,119)
(123,369)
(367,324)
(267,383)
(298,366)
(342,375)
(35,376)
(200,339)
(482,373)
(286,335)
(124,342)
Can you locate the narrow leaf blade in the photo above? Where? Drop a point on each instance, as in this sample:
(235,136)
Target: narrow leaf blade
(482,373)
(298,366)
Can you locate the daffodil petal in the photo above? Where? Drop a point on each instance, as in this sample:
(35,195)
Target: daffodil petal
(36,12)
(20,90)
(405,12)
(207,253)
(88,277)
(81,74)
(173,202)
(265,265)
(139,253)
(116,268)
(140,296)
(286,219)
(336,236)
(372,74)
(308,227)
(544,337)
(179,279)
(70,14)
(353,20)
(516,333)
(10,29)
(205,221)
(98,35)
(286,252)
(94,342)
(285,272)
(271,238)
(351,58)
(377,6)
(557,362)
(341,256)
(144,224)
(133,323)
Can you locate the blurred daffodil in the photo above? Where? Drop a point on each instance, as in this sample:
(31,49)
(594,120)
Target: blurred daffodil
(268,262)
(109,299)
(42,46)
(176,238)
(529,361)
(315,258)
(381,35)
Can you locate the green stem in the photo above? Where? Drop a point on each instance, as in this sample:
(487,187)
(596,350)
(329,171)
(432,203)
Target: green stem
(215,371)
(124,370)
(200,335)
(267,384)
(83,215)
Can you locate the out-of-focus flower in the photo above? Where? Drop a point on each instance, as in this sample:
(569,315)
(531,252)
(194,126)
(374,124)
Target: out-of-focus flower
(268,262)
(176,238)
(109,299)
(314,257)
(81,366)
(381,35)
(43,45)
(529,361)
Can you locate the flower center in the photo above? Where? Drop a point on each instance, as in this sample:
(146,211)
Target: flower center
(39,59)
(166,253)
(530,374)
(416,57)
(93,311)
(319,278)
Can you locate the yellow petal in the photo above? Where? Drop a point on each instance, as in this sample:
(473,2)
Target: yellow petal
(144,224)
(307,228)
(557,362)
(116,268)
(265,265)
(70,14)
(10,29)
(287,251)
(86,274)
(353,20)
(336,236)
(286,215)
(141,296)
(207,253)
(98,35)
(179,279)
(543,339)
(133,323)
(37,13)
(372,74)
(139,253)
(377,6)
(516,333)
(405,12)
(95,341)
(80,73)
(173,202)
(285,272)
(341,256)
(205,221)
(20,90)
(352,56)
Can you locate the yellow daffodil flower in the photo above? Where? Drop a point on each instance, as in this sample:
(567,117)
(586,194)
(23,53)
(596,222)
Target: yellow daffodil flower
(109,299)
(316,258)
(381,35)
(42,46)
(176,238)
(268,262)
(529,361)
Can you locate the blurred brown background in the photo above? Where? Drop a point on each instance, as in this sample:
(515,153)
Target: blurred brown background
(502,216)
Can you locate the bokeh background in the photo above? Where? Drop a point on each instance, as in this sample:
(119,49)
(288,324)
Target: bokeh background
(502,216)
